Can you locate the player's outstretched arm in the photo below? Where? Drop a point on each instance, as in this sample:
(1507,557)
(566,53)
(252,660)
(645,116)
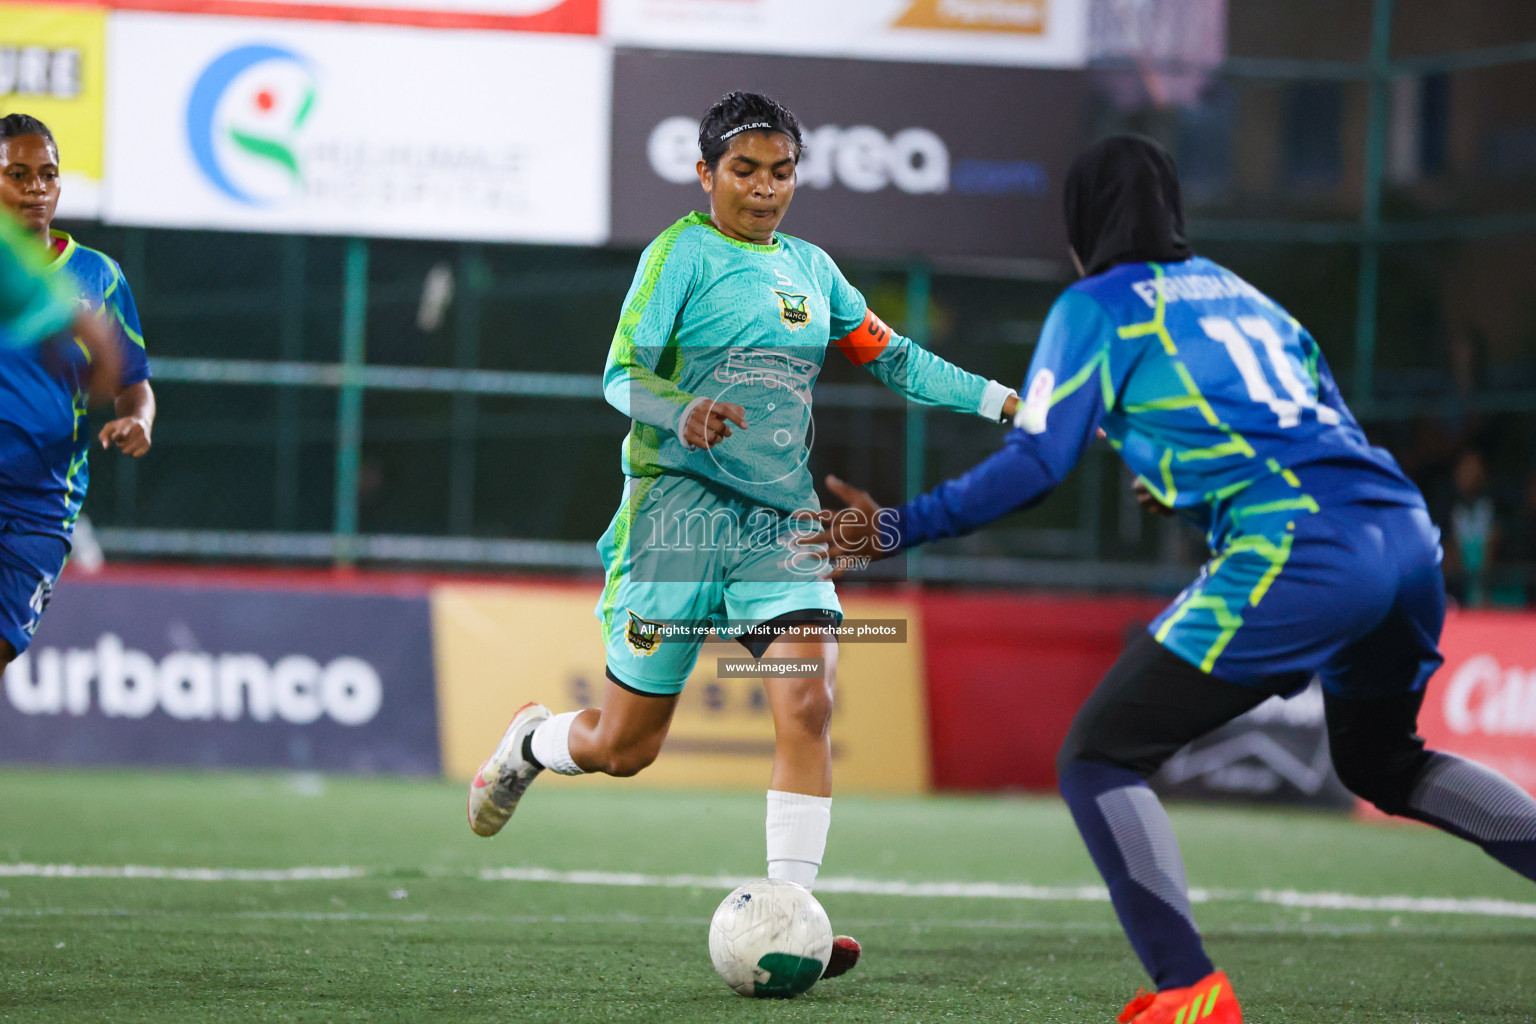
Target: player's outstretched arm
(922,377)
(1053,427)
(1023,471)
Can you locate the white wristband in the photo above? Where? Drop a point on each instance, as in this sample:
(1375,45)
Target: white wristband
(992,398)
(682,422)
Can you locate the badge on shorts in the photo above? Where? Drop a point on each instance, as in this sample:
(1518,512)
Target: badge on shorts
(641,636)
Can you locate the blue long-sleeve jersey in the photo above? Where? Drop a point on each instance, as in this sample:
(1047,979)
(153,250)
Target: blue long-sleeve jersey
(1216,398)
(45,437)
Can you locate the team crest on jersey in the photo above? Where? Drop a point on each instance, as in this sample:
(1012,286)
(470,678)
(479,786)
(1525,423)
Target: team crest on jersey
(793,311)
(641,636)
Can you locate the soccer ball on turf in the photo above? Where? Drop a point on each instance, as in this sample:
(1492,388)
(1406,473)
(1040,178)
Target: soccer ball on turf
(770,938)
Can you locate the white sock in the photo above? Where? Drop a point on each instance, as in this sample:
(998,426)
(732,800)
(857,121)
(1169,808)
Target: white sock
(552,744)
(797,835)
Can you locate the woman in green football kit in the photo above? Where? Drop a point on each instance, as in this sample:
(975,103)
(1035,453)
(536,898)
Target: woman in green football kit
(717,350)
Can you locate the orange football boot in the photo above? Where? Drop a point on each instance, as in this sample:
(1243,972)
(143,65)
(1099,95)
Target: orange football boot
(1208,1001)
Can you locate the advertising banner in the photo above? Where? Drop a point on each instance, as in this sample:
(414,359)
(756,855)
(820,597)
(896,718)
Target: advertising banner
(1482,702)
(52,59)
(1006,675)
(269,125)
(213,677)
(900,159)
(499,647)
(576,16)
(1276,753)
(1050,33)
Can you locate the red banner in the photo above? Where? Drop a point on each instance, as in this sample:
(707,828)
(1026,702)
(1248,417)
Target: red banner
(579,17)
(1006,674)
(1482,703)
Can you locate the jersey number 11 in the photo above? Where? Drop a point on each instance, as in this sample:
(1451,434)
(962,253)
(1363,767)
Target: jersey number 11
(1244,340)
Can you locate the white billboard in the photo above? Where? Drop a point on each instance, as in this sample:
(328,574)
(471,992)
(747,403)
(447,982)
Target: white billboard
(278,125)
(1039,33)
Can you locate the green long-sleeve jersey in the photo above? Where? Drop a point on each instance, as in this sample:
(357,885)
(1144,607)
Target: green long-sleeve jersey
(711,317)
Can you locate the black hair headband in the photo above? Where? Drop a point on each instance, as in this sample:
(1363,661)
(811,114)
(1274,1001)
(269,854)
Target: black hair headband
(747,128)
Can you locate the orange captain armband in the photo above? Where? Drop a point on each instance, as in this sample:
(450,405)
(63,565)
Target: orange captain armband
(865,342)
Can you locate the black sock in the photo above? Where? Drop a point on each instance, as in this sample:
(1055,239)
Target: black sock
(528,751)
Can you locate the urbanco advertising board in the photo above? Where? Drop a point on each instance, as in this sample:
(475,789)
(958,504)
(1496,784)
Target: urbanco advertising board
(578,16)
(1050,33)
(275,125)
(207,676)
(51,67)
(900,159)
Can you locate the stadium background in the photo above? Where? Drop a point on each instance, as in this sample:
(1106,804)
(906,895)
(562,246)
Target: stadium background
(378,361)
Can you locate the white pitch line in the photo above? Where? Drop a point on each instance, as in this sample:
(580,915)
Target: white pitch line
(1395,904)
(1013,891)
(1474,907)
(857,886)
(502,920)
(137,871)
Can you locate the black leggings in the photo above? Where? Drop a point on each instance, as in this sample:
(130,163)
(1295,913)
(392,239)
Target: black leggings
(1153,702)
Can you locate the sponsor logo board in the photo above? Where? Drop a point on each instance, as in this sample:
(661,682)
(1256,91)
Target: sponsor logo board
(139,674)
(51,66)
(1276,753)
(1051,33)
(1482,702)
(499,647)
(284,126)
(900,159)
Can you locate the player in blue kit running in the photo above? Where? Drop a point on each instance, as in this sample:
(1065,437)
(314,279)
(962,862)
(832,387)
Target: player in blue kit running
(1324,558)
(46,387)
(715,358)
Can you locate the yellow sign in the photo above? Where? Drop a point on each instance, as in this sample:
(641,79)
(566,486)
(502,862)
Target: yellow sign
(53,66)
(498,647)
(1026,16)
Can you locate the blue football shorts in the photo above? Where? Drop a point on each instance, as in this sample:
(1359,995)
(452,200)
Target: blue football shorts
(1352,593)
(30,563)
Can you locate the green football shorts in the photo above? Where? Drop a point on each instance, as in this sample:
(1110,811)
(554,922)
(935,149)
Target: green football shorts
(686,558)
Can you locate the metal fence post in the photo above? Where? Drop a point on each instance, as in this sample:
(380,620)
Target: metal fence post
(349,404)
(472,275)
(919,296)
(135,269)
(289,429)
(1367,299)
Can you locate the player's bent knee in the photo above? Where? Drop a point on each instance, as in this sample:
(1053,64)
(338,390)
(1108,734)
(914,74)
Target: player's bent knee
(810,706)
(1090,740)
(1385,786)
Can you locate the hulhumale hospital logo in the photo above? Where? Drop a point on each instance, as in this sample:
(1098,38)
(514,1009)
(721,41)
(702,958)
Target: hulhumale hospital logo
(245,116)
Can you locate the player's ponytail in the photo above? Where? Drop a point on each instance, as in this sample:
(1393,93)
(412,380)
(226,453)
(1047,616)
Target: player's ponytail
(740,112)
(13,126)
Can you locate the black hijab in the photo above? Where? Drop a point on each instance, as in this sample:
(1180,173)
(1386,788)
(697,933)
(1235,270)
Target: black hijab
(1123,205)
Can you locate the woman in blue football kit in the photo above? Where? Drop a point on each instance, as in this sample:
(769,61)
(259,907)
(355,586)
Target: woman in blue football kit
(1324,558)
(47,384)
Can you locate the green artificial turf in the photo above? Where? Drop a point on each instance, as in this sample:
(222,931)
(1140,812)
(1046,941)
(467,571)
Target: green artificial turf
(420,935)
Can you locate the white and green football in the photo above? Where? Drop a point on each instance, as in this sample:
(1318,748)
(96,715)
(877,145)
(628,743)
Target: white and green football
(770,938)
